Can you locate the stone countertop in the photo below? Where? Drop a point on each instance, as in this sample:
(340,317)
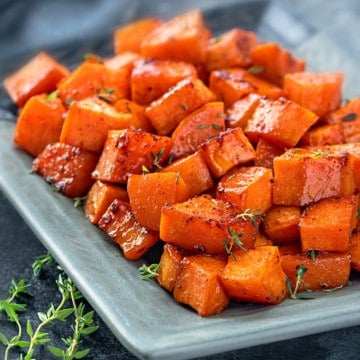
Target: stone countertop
(338,20)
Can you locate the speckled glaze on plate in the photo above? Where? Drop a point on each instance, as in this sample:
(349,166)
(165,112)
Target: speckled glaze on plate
(143,316)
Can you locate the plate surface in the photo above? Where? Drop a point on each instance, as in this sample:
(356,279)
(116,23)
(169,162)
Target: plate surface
(143,316)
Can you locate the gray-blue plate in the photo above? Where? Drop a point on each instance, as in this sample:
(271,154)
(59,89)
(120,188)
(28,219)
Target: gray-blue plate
(143,316)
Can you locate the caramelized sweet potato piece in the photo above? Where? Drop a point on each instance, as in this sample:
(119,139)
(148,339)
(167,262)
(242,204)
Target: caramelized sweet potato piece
(166,112)
(324,270)
(198,284)
(230,49)
(197,127)
(182,38)
(323,135)
(68,168)
(321,93)
(326,225)
(149,193)
(274,62)
(281,223)
(99,198)
(88,121)
(304,176)
(124,60)
(152,78)
(247,188)
(355,250)
(130,36)
(119,223)
(255,275)
(202,224)
(230,85)
(229,149)
(39,123)
(40,75)
(95,79)
(280,121)
(129,151)
(194,172)
(265,153)
(170,266)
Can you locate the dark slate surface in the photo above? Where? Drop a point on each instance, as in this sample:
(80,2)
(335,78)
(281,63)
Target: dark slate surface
(26,26)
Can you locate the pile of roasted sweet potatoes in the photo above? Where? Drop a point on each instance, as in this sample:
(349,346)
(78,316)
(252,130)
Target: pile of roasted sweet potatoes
(245,166)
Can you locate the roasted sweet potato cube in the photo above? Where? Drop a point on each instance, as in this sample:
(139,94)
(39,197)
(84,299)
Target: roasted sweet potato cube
(274,62)
(183,38)
(230,49)
(203,224)
(319,92)
(247,188)
(265,153)
(305,176)
(99,198)
(241,110)
(280,121)
(324,270)
(126,60)
(149,193)
(198,284)
(39,123)
(95,79)
(39,75)
(130,151)
(323,135)
(230,85)
(152,78)
(255,275)
(355,250)
(194,172)
(262,240)
(119,223)
(197,127)
(170,266)
(326,225)
(130,36)
(68,168)
(166,112)
(227,150)
(281,224)
(88,121)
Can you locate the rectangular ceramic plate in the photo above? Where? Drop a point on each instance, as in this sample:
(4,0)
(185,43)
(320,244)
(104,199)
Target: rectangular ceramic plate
(143,316)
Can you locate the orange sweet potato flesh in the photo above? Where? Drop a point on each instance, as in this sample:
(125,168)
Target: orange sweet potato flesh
(88,121)
(323,135)
(324,272)
(152,78)
(319,92)
(229,149)
(40,75)
(198,284)
(255,275)
(197,127)
(281,223)
(182,38)
(354,250)
(265,153)
(280,121)
(274,62)
(247,188)
(120,224)
(67,168)
(166,112)
(194,172)
(99,198)
(125,60)
(149,193)
(129,151)
(305,176)
(232,84)
(170,266)
(130,36)
(230,49)
(39,123)
(201,224)
(327,224)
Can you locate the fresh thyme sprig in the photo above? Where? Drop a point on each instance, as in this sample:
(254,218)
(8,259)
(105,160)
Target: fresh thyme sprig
(234,240)
(300,272)
(148,271)
(156,157)
(251,215)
